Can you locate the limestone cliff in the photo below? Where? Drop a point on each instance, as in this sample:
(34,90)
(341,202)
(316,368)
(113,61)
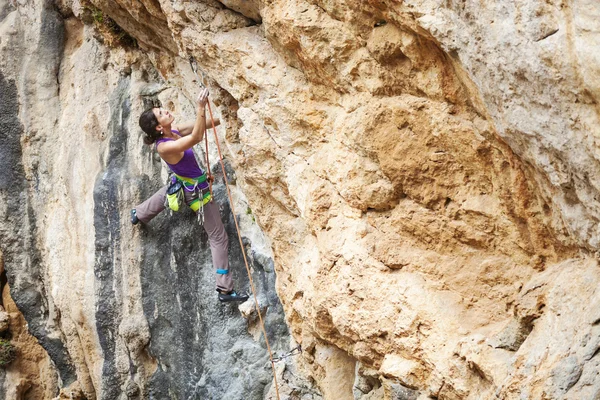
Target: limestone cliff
(424,174)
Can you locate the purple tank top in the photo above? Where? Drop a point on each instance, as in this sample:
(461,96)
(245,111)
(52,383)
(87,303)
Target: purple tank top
(188,166)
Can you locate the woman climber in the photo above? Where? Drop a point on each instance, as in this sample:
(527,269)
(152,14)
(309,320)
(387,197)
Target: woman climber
(174,145)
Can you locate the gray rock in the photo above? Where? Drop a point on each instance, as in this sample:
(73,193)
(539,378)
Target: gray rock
(132,390)
(152,89)
(24,269)
(566,374)
(396,391)
(512,336)
(364,385)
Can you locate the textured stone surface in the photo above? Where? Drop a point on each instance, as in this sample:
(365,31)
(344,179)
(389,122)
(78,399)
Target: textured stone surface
(4,320)
(115,306)
(31,375)
(426,173)
(18,231)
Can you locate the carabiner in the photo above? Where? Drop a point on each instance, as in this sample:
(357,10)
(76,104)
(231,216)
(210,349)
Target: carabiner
(194,66)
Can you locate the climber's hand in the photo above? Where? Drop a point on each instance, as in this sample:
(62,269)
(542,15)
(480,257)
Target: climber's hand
(202,98)
(211,179)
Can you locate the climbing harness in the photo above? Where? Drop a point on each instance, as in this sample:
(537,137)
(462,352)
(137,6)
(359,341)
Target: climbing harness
(194,67)
(193,186)
(175,198)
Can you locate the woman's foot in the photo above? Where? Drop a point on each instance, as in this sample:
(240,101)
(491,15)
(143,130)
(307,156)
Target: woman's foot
(226,297)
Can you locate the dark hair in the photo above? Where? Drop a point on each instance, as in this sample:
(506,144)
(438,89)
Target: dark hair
(148,123)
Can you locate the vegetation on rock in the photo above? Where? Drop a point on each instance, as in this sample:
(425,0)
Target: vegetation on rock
(110,32)
(8,352)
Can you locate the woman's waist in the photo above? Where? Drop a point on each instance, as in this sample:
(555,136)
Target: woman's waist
(200,181)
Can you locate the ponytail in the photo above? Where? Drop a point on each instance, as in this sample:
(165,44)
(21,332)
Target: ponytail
(148,123)
(150,139)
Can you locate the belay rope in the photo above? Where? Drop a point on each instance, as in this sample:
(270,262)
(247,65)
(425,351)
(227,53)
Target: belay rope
(273,360)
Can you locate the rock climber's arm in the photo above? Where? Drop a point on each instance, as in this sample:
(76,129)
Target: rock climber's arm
(173,148)
(185,128)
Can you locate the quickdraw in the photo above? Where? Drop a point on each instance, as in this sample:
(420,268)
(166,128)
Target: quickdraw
(294,352)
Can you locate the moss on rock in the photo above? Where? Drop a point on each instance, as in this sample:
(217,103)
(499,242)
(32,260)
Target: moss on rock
(8,352)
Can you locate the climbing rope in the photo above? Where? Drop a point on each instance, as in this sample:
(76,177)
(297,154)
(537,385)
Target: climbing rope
(262,324)
(194,67)
(208,173)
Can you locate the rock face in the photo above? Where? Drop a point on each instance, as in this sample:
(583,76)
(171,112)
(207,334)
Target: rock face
(122,311)
(426,174)
(31,373)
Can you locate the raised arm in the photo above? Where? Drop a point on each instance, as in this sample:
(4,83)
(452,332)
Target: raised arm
(185,128)
(174,148)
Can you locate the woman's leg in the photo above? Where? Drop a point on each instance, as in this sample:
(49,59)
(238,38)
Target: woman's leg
(219,245)
(152,207)
(217,237)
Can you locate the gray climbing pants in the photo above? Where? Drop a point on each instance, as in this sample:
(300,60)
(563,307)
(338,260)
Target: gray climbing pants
(217,237)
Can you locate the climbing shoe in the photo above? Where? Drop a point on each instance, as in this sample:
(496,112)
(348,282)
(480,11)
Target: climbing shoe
(226,297)
(134,218)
